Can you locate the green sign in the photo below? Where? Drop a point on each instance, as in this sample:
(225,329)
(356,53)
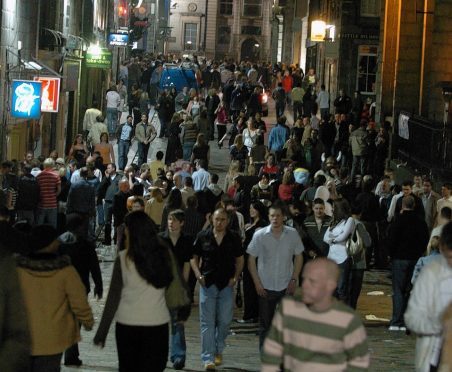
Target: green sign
(98,60)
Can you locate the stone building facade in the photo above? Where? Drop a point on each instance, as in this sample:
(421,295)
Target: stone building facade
(239,29)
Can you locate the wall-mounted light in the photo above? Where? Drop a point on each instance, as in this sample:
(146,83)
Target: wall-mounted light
(318,30)
(257,45)
(94,49)
(19,45)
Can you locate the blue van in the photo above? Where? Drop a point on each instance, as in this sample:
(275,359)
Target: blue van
(178,77)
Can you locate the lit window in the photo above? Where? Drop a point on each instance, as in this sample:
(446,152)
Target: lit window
(252,8)
(226,7)
(370,8)
(367,69)
(190,36)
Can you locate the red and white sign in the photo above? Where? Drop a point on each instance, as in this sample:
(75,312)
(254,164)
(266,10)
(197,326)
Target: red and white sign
(50,93)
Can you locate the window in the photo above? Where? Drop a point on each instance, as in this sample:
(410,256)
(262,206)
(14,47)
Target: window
(252,8)
(367,69)
(190,36)
(280,37)
(370,8)
(224,35)
(251,30)
(226,7)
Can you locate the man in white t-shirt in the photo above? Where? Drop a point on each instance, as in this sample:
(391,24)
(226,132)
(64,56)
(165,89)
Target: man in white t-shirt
(113,102)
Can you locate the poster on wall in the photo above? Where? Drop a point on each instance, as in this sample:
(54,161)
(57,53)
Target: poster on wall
(50,95)
(26,99)
(404,131)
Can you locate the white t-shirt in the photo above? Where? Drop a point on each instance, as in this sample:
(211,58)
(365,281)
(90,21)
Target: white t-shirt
(113,99)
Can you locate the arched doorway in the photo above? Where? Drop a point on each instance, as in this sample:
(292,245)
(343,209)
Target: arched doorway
(250,50)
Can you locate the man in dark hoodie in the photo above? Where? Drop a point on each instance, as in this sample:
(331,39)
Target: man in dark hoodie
(84,259)
(27,196)
(408,238)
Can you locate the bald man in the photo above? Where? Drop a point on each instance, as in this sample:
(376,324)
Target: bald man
(312,331)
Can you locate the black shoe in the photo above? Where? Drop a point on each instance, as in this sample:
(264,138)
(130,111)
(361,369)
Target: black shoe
(179,364)
(73,362)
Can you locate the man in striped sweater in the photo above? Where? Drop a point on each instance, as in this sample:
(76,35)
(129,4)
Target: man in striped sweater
(312,331)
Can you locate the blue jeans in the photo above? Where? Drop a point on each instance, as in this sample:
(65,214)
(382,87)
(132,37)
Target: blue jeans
(123,151)
(215,315)
(187,148)
(112,120)
(100,214)
(47,216)
(358,166)
(178,345)
(402,271)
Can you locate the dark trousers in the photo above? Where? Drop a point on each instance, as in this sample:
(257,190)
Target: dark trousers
(142,153)
(267,307)
(372,229)
(142,348)
(297,109)
(280,106)
(221,131)
(211,120)
(72,354)
(250,297)
(45,363)
(108,212)
(402,271)
(342,292)
(355,285)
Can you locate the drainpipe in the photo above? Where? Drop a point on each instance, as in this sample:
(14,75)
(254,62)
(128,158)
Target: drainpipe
(205,27)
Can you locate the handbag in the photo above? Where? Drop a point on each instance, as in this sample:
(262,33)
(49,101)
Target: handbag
(354,244)
(177,293)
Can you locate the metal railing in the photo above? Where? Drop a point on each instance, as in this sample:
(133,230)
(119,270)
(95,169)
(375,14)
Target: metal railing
(428,149)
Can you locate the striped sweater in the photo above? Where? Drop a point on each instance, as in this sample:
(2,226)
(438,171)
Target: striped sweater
(303,340)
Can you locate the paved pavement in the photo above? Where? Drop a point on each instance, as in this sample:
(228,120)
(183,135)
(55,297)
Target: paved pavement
(389,351)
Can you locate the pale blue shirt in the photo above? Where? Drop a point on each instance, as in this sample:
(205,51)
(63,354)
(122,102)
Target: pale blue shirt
(200,179)
(275,256)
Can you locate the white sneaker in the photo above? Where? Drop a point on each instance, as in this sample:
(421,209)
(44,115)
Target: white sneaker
(394,328)
(403,328)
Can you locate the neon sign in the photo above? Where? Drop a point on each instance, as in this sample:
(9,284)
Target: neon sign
(26,99)
(50,95)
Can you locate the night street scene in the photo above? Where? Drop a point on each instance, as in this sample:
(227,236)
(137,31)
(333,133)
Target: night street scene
(231,185)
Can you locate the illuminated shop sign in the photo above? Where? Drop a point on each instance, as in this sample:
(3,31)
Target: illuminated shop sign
(26,99)
(118,39)
(50,95)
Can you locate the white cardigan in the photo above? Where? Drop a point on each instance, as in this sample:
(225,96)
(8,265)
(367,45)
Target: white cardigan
(429,298)
(339,234)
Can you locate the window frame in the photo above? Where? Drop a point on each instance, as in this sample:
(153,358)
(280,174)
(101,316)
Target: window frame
(251,4)
(194,40)
(366,5)
(367,74)
(226,4)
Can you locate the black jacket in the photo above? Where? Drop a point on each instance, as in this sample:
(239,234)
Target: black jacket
(408,237)
(108,188)
(27,193)
(84,259)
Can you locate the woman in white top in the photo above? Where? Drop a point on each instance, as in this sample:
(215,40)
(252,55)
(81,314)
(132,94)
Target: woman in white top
(250,134)
(336,237)
(137,299)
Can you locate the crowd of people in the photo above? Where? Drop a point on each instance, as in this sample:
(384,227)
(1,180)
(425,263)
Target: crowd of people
(305,209)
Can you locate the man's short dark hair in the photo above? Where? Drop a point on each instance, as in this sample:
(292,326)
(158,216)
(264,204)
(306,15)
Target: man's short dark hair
(192,202)
(448,185)
(446,213)
(129,116)
(278,205)
(318,201)
(407,183)
(446,237)
(188,181)
(113,165)
(27,168)
(201,163)
(7,164)
(159,155)
(214,178)
(138,200)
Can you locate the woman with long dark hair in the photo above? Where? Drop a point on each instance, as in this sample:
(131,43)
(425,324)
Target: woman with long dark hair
(336,237)
(258,220)
(137,298)
(173,202)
